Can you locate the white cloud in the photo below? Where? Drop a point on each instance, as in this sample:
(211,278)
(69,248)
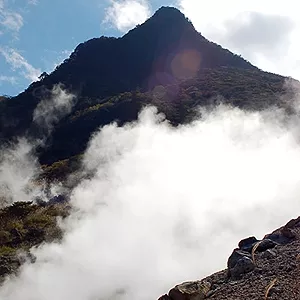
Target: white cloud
(33,2)
(234,25)
(11,20)
(18,62)
(125,14)
(9,79)
(253,33)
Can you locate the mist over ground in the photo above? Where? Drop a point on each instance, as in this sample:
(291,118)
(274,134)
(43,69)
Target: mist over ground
(167,205)
(19,166)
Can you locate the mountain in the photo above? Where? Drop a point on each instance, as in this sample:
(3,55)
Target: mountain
(167,63)
(113,78)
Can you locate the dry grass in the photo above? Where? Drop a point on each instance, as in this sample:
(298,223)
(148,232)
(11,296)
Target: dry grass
(253,251)
(269,287)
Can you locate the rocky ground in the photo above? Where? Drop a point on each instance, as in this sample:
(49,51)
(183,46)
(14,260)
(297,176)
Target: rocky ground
(267,269)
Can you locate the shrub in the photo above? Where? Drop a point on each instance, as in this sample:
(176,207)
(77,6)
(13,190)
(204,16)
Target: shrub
(5,250)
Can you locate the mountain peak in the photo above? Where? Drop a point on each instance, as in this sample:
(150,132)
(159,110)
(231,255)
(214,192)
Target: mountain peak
(168,11)
(164,20)
(170,16)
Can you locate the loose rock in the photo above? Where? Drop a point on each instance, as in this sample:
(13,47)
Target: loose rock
(194,290)
(266,244)
(243,266)
(248,243)
(268,254)
(239,263)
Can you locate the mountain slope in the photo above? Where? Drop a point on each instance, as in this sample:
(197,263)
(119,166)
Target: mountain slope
(247,89)
(274,273)
(164,51)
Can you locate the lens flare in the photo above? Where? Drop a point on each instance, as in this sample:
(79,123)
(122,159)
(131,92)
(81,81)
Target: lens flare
(186,64)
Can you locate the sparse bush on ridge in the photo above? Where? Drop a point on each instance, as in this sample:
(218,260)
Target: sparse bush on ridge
(24,224)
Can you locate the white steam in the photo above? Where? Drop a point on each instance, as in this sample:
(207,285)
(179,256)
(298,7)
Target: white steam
(19,167)
(50,111)
(166,205)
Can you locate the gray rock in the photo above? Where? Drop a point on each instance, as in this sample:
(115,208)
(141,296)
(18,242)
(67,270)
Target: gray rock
(248,243)
(269,254)
(194,290)
(236,255)
(243,266)
(266,244)
(239,263)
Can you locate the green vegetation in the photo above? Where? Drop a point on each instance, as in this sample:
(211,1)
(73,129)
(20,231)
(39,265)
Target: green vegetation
(58,171)
(24,225)
(248,89)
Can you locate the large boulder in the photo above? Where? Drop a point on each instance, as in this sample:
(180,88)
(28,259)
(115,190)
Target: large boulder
(248,243)
(243,266)
(239,263)
(194,290)
(265,244)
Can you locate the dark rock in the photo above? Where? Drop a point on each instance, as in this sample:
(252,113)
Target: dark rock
(196,290)
(268,254)
(243,266)
(248,243)
(266,244)
(236,256)
(239,263)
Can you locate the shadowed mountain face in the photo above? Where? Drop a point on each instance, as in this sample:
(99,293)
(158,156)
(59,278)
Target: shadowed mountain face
(159,57)
(164,49)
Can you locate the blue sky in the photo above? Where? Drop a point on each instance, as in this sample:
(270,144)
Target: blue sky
(44,32)
(36,35)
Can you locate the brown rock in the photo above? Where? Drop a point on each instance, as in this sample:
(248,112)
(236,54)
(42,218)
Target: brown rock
(194,290)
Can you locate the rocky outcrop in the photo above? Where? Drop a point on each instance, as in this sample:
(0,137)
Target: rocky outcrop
(257,269)
(239,263)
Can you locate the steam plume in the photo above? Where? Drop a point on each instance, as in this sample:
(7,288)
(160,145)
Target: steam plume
(166,205)
(19,167)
